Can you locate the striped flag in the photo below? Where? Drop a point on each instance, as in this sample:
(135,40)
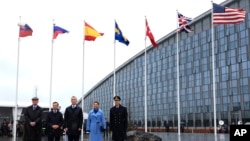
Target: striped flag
(90,33)
(225,15)
(24,30)
(58,30)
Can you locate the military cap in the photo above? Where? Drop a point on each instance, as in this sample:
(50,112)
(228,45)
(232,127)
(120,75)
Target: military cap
(35,98)
(117,98)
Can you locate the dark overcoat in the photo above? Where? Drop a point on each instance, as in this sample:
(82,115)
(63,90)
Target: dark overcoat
(119,123)
(30,115)
(54,119)
(73,120)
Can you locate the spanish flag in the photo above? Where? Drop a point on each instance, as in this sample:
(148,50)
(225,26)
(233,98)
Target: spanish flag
(90,33)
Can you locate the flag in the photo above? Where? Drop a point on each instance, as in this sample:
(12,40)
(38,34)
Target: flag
(183,23)
(150,35)
(119,36)
(90,33)
(24,30)
(225,15)
(58,30)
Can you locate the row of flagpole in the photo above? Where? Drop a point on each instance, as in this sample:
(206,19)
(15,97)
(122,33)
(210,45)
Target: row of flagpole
(90,34)
(222,15)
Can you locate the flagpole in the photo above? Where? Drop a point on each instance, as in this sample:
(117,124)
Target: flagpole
(177,76)
(16,98)
(83,60)
(114,93)
(214,87)
(51,70)
(145,81)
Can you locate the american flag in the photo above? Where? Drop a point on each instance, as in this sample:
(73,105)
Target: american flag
(225,15)
(183,23)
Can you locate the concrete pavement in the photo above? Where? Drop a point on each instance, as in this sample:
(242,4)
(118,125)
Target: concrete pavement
(165,137)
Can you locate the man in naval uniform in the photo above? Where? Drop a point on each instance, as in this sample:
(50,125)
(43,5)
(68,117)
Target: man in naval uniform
(118,120)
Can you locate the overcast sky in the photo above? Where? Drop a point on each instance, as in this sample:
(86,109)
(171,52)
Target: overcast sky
(35,51)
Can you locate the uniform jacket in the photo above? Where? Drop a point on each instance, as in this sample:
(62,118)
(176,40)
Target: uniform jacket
(73,119)
(54,119)
(30,115)
(118,122)
(94,123)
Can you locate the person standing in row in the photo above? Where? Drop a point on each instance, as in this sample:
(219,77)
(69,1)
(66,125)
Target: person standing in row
(33,121)
(96,123)
(54,122)
(73,120)
(118,121)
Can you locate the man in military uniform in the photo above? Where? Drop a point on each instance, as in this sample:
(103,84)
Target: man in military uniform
(118,120)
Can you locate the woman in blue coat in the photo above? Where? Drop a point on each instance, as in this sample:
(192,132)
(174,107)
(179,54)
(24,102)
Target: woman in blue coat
(96,122)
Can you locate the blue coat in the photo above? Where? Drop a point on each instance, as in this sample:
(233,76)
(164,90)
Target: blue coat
(94,123)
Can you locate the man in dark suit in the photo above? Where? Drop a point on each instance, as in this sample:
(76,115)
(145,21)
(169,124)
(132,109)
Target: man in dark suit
(54,122)
(73,120)
(33,121)
(118,121)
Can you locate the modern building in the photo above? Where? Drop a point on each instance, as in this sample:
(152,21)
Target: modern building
(231,68)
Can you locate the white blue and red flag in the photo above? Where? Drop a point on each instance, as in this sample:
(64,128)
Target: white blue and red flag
(24,30)
(226,15)
(183,23)
(58,30)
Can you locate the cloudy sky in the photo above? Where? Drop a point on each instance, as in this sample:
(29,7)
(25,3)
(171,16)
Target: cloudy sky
(35,51)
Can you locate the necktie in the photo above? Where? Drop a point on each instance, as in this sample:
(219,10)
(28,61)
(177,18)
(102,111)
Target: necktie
(54,111)
(34,107)
(73,106)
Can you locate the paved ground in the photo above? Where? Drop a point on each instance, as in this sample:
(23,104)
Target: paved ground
(192,137)
(165,137)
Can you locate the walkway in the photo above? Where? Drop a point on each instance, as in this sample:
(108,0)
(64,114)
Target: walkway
(165,137)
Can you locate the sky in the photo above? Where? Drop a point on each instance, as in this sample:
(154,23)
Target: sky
(67,68)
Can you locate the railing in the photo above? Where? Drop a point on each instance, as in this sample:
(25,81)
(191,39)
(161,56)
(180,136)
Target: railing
(175,129)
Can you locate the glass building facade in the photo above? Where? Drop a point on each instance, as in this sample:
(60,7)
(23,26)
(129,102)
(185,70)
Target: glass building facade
(232,77)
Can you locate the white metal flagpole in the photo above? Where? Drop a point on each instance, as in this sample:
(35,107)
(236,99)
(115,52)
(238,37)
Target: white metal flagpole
(177,77)
(51,70)
(83,60)
(145,82)
(214,87)
(16,98)
(114,93)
